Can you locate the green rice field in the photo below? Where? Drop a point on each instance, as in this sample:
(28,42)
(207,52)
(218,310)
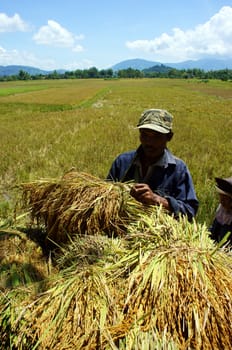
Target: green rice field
(82,264)
(50,126)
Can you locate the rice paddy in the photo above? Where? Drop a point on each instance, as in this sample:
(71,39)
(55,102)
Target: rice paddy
(83,265)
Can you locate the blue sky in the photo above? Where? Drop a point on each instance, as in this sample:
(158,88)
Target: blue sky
(78,34)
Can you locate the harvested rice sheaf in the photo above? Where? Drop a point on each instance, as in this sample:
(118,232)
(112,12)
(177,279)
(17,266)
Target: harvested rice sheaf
(13,304)
(180,289)
(73,313)
(154,282)
(168,287)
(80,203)
(22,261)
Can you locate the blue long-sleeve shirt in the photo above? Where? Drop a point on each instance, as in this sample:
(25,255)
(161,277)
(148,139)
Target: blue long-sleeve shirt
(169,178)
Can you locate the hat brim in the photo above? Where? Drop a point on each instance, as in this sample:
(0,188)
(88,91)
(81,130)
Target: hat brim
(224,185)
(223,192)
(154,128)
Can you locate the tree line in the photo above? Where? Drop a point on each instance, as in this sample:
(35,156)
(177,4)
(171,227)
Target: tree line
(154,72)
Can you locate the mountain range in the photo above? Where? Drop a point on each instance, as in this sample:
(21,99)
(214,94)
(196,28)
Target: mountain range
(204,64)
(15,69)
(137,63)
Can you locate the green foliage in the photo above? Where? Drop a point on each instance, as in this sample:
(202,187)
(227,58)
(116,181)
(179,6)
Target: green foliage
(157,71)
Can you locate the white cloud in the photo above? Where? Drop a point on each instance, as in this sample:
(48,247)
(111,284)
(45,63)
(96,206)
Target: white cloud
(83,64)
(24,58)
(53,34)
(77,48)
(12,24)
(212,38)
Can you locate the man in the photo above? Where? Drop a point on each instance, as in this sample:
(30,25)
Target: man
(160,177)
(222,222)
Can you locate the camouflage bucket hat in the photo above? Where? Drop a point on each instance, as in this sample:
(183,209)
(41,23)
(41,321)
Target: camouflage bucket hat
(157,120)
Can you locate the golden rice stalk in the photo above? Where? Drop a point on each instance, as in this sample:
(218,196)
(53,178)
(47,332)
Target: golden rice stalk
(163,285)
(83,301)
(181,286)
(73,314)
(13,304)
(22,261)
(86,250)
(136,339)
(80,203)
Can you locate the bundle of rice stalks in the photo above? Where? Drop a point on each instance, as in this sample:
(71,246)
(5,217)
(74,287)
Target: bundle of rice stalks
(83,300)
(23,273)
(73,314)
(163,285)
(13,304)
(86,250)
(180,289)
(21,260)
(80,203)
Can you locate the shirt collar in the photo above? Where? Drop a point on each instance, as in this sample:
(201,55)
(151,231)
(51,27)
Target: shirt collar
(166,159)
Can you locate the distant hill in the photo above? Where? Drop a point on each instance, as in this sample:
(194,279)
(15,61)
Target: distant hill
(204,64)
(159,68)
(14,70)
(137,63)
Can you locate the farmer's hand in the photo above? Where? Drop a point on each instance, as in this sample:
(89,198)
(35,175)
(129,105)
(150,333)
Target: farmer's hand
(143,193)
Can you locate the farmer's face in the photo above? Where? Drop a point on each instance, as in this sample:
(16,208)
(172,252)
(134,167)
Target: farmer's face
(226,202)
(153,142)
